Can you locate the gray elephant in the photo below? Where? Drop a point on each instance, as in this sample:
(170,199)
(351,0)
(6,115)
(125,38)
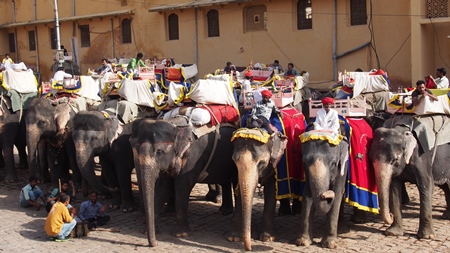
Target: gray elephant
(399,155)
(48,138)
(325,164)
(12,129)
(170,149)
(97,134)
(256,160)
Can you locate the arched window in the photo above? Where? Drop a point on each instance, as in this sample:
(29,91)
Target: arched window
(304,15)
(173,27)
(255,18)
(126,30)
(213,23)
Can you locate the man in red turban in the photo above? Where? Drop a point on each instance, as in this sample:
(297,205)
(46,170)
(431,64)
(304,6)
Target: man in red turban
(262,111)
(327,118)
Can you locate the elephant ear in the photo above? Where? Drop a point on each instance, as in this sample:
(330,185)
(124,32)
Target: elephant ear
(279,142)
(183,140)
(343,157)
(410,144)
(113,129)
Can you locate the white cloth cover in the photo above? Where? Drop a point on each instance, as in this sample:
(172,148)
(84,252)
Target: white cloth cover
(124,61)
(198,116)
(21,81)
(15,66)
(428,106)
(224,77)
(363,82)
(90,88)
(174,93)
(137,92)
(212,92)
(301,81)
(189,71)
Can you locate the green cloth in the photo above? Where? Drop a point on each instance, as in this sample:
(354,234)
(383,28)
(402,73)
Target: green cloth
(134,62)
(17,99)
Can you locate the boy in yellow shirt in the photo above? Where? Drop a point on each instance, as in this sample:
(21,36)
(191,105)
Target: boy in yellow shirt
(59,221)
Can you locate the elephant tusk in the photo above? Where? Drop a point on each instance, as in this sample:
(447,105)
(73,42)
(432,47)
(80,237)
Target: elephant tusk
(327,195)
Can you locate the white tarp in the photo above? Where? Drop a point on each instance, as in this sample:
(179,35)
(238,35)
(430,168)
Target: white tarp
(137,92)
(364,83)
(15,66)
(212,92)
(90,88)
(429,106)
(198,116)
(174,94)
(21,81)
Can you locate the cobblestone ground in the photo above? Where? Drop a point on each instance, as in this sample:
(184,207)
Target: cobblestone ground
(22,230)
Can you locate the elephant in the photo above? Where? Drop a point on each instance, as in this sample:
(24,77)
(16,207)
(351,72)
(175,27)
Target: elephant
(12,131)
(325,166)
(397,157)
(97,134)
(48,138)
(169,149)
(255,162)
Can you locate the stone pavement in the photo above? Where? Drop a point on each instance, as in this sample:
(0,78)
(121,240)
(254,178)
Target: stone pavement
(22,230)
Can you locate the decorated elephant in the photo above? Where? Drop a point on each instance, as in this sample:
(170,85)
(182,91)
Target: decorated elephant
(413,149)
(48,138)
(256,154)
(97,134)
(325,159)
(171,148)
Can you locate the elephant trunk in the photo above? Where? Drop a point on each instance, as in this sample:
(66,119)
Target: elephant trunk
(85,164)
(33,137)
(319,181)
(383,175)
(248,179)
(149,176)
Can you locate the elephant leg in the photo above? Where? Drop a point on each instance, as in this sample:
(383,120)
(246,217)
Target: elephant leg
(166,195)
(296,206)
(183,188)
(111,180)
(306,219)
(8,155)
(358,216)
(270,201)
(214,193)
(76,173)
(446,189)
(55,174)
(332,220)
(21,143)
(426,186)
(396,228)
(23,162)
(44,175)
(2,160)
(123,172)
(227,196)
(236,234)
(405,196)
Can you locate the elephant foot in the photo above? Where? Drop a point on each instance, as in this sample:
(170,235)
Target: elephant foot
(126,208)
(425,234)
(11,179)
(446,215)
(267,237)
(394,231)
(213,196)
(329,242)
(358,216)
(22,166)
(182,232)
(303,241)
(234,237)
(224,210)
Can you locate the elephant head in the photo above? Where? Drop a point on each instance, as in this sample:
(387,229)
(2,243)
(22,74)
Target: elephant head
(158,147)
(391,150)
(45,120)
(255,160)
(93,134)
(324,163)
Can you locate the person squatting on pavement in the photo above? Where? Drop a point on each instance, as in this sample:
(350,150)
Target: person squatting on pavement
(30,194)
(59,221)
(92,212)
(263,110)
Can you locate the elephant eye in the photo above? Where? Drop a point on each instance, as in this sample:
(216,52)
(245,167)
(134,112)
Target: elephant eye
(94,138)
(41,123)
(159,152)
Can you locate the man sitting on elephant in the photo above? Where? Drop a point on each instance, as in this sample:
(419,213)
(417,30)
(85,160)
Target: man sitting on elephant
(327,118)
(262,111)
(421,92)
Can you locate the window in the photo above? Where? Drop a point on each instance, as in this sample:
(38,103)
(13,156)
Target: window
(436,8)
(255,18)
(53,38)
(126,31)
(85,36)
(213,23)
(31,40)
(12,42)
(304,15)
(358,12)
(173,27)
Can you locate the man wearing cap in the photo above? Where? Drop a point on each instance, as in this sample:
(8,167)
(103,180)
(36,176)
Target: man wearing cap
(263,110)
(327,118)
(246,85)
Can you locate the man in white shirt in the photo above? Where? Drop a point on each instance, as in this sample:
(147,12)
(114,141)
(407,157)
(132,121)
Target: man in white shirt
(60,75)
(327,118)
(441,81)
